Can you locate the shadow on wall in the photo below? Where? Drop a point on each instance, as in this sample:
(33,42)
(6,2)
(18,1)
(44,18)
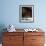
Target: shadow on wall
(2,26)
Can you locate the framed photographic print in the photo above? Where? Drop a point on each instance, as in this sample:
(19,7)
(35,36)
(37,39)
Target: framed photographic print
(26,13)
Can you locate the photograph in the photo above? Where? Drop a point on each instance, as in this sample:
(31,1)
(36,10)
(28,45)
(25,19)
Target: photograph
(26,13)
(22,23)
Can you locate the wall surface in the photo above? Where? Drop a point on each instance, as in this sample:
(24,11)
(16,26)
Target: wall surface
(9,13)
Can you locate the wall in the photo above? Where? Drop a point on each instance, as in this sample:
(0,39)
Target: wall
(9,13)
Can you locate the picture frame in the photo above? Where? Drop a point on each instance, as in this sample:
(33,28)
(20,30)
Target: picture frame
(26,13)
